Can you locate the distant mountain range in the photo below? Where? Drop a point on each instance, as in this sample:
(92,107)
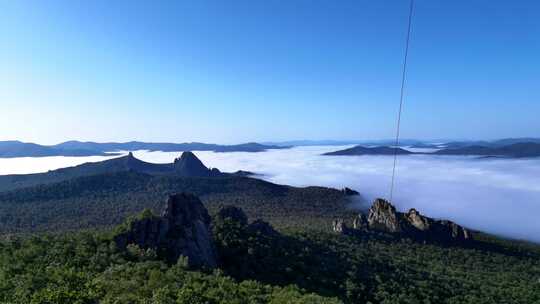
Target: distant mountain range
(10,149)
(330,142)
(414,143)
(77,148)
(516,150)
(482,143)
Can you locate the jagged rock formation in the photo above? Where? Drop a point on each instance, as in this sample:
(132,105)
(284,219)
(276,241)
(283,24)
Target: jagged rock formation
(339,226)
(189,165)
(348,191)
(360,222)
(181,230)
(383,217)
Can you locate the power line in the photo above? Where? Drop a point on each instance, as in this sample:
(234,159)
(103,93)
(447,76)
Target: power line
(404,70)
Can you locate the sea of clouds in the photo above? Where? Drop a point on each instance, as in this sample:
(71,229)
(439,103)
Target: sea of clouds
(500,196)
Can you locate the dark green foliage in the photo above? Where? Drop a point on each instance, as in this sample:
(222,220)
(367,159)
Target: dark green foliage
(304,264)
(379,269)
(259,268)
(86,268)
(106,200)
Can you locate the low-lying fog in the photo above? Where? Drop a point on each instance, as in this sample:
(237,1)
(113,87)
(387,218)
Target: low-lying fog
(500,196)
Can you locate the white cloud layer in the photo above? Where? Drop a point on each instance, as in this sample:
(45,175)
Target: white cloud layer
(500,196)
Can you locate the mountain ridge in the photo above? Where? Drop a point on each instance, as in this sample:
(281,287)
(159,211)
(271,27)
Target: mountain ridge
(15,148)
(516,150)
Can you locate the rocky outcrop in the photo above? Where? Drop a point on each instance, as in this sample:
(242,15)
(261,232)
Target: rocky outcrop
(383,217)
(189,165)
(418,221)
(360,222)
(181,230)
(339,226)
(348,191)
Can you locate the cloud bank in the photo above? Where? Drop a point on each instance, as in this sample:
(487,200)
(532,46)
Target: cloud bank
(500,196)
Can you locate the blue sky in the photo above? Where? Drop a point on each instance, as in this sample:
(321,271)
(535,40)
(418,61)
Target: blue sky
(237,71)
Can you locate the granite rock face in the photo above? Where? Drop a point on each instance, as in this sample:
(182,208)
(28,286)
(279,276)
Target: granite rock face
(383,217)
(339,226)
(360,222)
(183,229)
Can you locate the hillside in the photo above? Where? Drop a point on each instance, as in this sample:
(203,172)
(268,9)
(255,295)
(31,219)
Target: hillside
(100,236)
(104,200)
(188,165)
(257,264)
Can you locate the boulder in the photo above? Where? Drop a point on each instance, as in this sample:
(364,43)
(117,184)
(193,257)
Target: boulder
(450,231)
(181,230)
(417,220)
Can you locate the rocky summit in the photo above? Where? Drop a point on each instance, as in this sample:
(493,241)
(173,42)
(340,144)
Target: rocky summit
(183,229)
(383,217)
(189,165)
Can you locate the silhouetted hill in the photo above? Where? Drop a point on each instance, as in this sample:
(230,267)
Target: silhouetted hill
(492,144)
(77,148)
(514,150)
(360,150)
(166,147)
(9,149)
(518,150)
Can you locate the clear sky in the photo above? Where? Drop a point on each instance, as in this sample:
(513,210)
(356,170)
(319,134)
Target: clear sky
(237,71)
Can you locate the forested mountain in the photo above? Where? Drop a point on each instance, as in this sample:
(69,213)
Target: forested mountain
(528,149)
(166,147)
(188,165)
(256,264)
(104,200)
(517,150)
(14,148)
(60,243)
